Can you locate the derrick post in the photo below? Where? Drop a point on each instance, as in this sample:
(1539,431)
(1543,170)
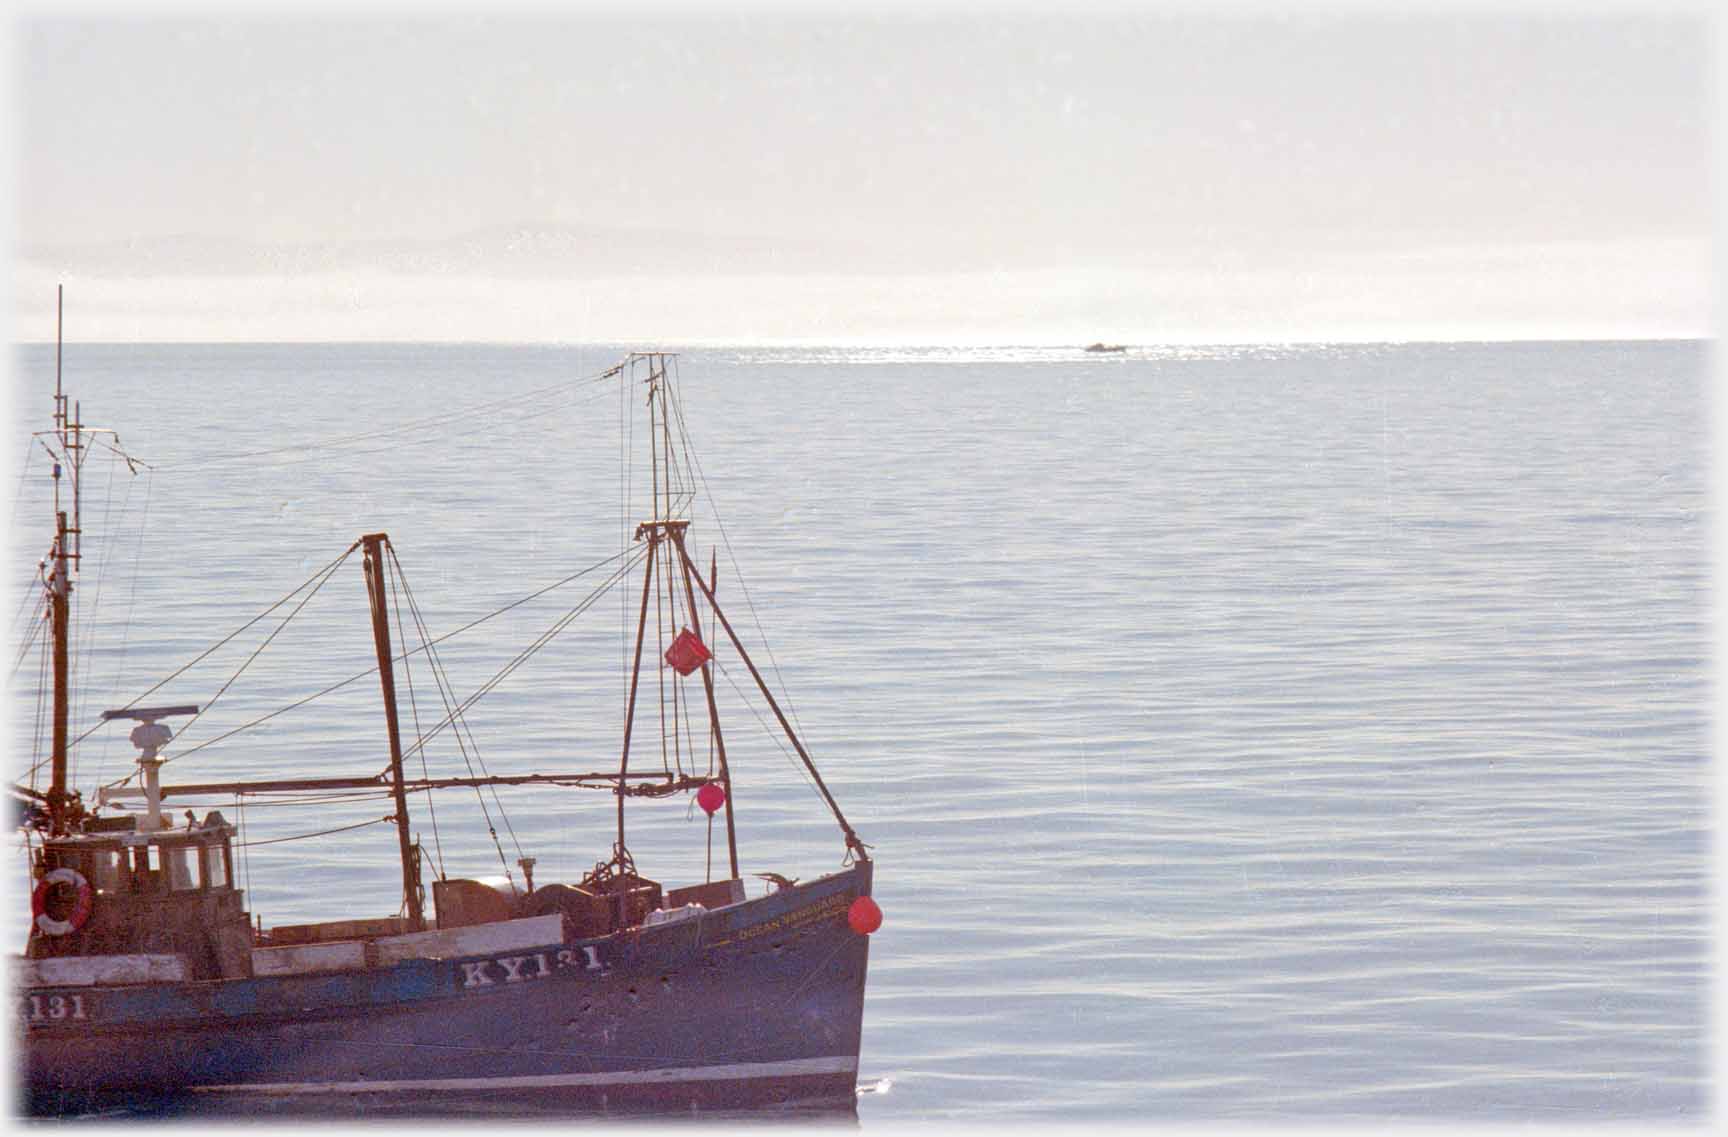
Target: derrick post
(376,593)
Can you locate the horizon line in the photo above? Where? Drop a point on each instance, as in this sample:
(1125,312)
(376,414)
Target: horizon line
(1697,337)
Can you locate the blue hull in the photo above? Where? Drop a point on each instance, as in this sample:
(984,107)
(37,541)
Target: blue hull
(758,1005)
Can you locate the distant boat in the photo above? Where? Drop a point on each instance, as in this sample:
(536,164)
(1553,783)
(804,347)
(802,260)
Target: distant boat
(147,983)
(1105,347)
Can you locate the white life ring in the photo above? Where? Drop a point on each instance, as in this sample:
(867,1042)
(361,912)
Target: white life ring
(80,907)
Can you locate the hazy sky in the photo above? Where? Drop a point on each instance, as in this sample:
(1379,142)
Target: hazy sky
(1014,178)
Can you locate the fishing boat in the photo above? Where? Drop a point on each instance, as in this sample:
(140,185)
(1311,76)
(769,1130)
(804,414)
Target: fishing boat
(148,984)
(1101,348)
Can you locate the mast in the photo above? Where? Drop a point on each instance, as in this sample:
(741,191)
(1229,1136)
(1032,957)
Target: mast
(60,591)
(376,588)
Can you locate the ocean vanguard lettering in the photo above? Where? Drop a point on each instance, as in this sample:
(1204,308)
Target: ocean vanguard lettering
(833,906)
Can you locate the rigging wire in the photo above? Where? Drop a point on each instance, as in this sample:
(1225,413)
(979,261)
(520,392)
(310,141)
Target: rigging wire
(320,833)
(240,826)
(472,742)
(34,591)
(657,568)
(684,491)
(441,419)
(274,801)
(726,540)
(37,761)
(221,643)
(773,734)
(23,480)
(259,650)
(36,624)
(352,679)
(447,694)
(545,638)
(131,604)
(86,622)
(413,704)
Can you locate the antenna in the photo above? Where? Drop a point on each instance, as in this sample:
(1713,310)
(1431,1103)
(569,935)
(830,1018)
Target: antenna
(59,336)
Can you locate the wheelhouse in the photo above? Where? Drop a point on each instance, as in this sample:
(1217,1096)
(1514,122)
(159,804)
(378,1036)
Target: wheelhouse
(120,890)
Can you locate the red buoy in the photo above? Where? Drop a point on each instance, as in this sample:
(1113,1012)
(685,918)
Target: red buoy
(864,916)
(711,797)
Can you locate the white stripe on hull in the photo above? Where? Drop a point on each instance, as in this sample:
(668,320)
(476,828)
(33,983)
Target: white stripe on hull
(837,1064)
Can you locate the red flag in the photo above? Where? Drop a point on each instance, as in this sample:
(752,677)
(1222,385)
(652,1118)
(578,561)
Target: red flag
(687,652)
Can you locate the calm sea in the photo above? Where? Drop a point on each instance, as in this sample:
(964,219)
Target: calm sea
(1295,733)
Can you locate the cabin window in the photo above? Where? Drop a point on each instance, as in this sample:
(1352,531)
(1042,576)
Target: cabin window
(145,863)
(181,863)
(218,874)
(105,870)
